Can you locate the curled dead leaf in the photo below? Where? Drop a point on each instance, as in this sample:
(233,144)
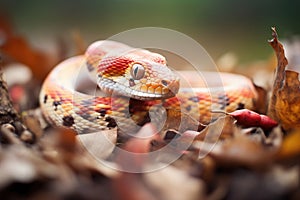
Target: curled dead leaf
(284,104)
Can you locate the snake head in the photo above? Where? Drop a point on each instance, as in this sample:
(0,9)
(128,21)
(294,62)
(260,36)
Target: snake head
(139,74)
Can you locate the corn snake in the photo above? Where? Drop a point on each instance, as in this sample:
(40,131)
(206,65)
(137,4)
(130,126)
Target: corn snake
(125,83)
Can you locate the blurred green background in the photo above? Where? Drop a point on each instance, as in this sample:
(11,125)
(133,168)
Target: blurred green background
(242,27)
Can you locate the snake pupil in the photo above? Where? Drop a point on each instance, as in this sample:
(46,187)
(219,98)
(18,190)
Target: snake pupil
(137,71)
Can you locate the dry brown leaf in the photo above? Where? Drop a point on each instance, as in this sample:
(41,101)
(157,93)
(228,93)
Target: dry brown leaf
(291,146)
(135,153)
(168,182)
(99,144)
(63,148)
(275,183)
(134,157)
(284,105)
(239,151)
(20,164)
(33,124)
(129,186)
(260,103)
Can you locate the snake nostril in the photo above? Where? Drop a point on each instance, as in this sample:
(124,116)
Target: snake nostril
(164,82)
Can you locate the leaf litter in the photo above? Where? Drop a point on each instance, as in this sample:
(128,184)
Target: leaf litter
(238,162)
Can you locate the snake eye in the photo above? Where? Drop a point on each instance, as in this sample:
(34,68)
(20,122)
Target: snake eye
(137,71)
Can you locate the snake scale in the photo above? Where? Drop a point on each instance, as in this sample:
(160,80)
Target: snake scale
(125,83)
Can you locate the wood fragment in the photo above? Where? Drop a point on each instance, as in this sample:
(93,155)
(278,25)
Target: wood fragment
(7,112)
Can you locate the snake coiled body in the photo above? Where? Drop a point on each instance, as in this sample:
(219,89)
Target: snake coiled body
(125,84)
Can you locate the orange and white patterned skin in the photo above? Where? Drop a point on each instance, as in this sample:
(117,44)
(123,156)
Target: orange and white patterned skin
(130,81)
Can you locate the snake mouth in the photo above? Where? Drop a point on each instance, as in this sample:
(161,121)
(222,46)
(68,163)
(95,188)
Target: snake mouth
(111,87)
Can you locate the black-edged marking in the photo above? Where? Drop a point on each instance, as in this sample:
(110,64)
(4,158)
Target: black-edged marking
(55,104)
(240,106)
(68,120)
(224,100)
(102,112)
(45,98)
(188,108)
(111,122)
(194,99)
